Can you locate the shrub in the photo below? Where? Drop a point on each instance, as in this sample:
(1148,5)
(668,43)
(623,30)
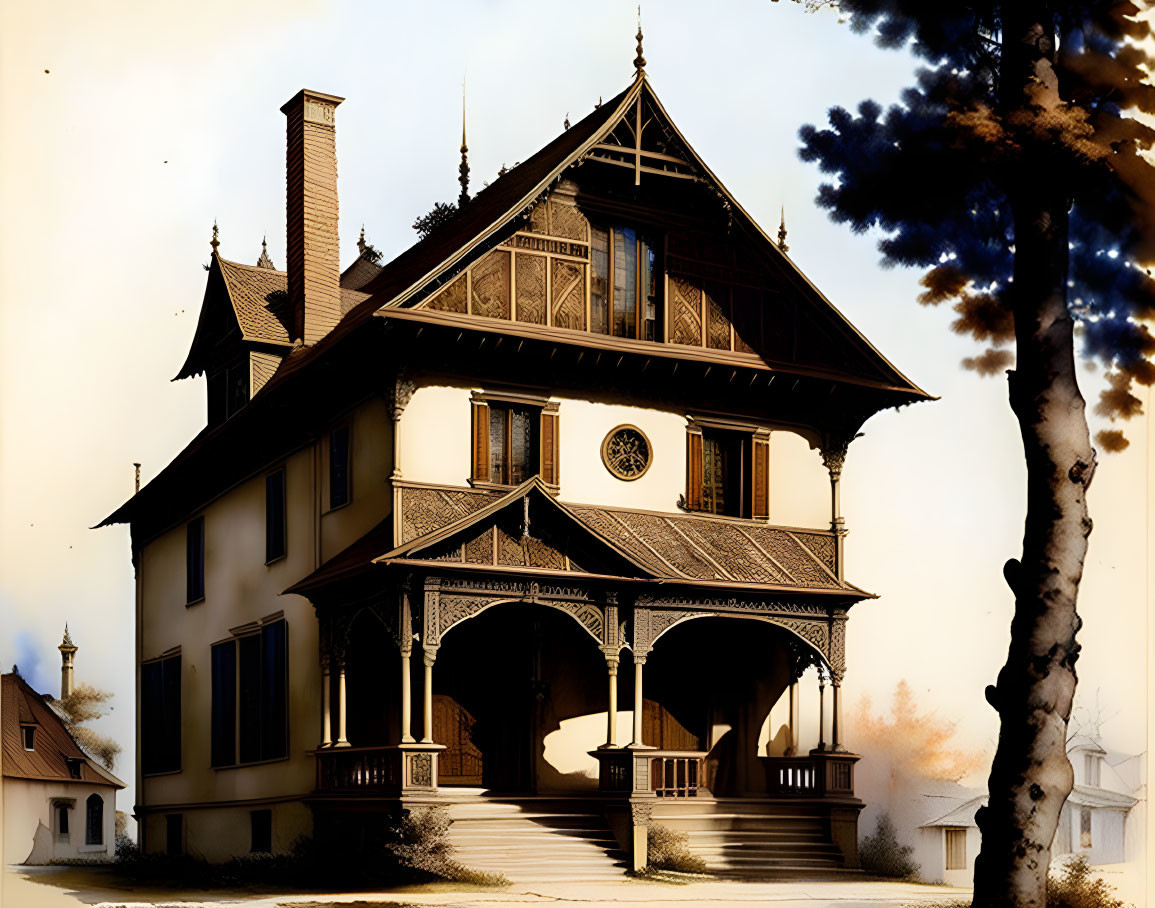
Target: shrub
(1075,887)
(670,850)
(882,854)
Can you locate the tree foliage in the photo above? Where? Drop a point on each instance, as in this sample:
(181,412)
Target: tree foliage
(934,173)
(85,704)
(441,213)
(882,854)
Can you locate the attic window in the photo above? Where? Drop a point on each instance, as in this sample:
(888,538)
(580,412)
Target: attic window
(625,284)
(28,732)
(73,767)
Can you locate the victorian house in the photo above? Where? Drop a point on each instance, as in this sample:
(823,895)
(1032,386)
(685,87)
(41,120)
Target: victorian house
(536,521)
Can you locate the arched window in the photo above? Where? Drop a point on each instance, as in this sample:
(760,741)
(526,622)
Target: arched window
(94,821)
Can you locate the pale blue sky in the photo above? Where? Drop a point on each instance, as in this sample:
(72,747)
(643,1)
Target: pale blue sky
(153,121)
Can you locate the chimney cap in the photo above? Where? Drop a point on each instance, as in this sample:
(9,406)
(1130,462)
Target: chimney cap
(308,93)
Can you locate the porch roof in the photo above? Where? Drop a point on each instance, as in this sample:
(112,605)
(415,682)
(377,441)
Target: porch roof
(663,548)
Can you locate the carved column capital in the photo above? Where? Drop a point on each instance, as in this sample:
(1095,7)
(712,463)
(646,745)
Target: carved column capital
(399,393)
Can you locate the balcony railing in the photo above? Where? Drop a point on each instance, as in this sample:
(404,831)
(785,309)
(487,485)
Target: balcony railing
(357,770)
(821,774)
(676,775)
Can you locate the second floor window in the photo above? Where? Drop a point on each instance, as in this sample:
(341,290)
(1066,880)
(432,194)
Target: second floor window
(625,283)
(160,715)
(250,697)
(195,560)
(513,441)
(275,530)
(339,467)
(728,472)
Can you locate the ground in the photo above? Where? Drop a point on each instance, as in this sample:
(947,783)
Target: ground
(69,887)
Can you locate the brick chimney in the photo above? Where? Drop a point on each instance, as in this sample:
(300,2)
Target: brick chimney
(313,266)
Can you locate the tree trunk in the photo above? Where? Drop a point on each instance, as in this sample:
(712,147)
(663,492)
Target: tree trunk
(1031,776)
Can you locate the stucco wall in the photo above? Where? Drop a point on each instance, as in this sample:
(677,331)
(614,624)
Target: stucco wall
(29,828)
(930,853)
(240,588)
(220,833)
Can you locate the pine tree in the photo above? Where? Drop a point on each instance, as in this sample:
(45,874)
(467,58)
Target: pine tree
(1012,172)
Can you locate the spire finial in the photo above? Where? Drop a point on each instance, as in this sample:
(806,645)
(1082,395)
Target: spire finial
(214,242)
(264,261)
(782,232)
(639,60)
(565,123)
(361,244)
(463,170)
(67,641)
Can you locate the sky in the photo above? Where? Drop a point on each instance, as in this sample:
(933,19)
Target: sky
(130,126)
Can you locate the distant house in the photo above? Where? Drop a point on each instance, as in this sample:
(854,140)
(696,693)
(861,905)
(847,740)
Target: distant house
(1094,821)
(948,840)
(59,803)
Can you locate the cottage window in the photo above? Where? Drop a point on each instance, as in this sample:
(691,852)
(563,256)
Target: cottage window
(1091,769)
(275,529)
(956,849)
(160,715)
(250,697)
(625,283)
(261,833)
(94,820)
(62,822)
(339,467)
(174,833)
(195,560)
(727,472)
(73,768)
(29,734)
(1085,827)
(513,441)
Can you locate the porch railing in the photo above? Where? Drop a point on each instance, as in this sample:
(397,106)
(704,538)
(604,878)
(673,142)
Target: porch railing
(357,769)
(821,774)
(658,773)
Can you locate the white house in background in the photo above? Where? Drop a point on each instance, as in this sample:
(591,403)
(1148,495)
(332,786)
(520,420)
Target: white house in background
(1095,820)
(946,839)
(59,803)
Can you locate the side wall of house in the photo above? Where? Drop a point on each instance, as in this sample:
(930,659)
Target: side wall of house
(241,590)
(30,830)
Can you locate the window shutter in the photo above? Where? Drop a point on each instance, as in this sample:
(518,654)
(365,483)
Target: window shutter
(549,448)
(761,483)
(694,470)
(480,441)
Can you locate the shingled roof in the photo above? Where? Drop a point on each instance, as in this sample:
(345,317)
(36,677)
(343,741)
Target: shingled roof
(53,746)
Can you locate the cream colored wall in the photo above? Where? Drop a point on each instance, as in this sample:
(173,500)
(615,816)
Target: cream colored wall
(28,830)
(435,440)
(221,833)
(240,588)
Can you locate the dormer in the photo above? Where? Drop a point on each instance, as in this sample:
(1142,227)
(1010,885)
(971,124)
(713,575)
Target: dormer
(1086,756)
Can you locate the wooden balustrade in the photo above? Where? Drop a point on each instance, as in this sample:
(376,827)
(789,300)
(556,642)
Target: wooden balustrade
(822,774)
(652,773)
(676,775)
(357,769)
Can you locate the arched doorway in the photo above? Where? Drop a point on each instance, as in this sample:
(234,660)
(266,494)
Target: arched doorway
(504,681)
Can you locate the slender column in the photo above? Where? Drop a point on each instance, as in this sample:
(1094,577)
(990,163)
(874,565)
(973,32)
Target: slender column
(612,705)
(836,716)
(792,693)
(821,709)
(342,741)
(326,707)
(406,700)
(834,458)
(430,658)
(639,662)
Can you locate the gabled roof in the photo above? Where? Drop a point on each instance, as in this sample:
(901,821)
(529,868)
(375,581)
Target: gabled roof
(663,548)
(53,746)
(1084,743)
(962,815)
(1090,796)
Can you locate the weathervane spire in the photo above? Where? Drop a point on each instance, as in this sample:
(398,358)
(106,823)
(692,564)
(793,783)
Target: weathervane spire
(782,232)
(264,261)
(639,60)
(463,170)
(214,242)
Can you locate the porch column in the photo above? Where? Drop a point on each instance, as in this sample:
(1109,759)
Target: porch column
(836,715)
(342,741)
(792,722)
(834,458)
(406,699)
(430,658)
(639,662)
(821,709)
(326,706)
(612,703)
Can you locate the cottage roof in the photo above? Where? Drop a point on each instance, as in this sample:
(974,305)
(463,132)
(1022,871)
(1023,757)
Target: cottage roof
(53,746)
(960,815)
(1084,743)
(1088,796)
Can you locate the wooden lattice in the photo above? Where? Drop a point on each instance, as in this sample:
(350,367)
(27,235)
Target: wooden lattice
(568,289)
(491,285)
(452,298)
(686,323)
(717,323)
(539,219)
(530,274)
(566,221)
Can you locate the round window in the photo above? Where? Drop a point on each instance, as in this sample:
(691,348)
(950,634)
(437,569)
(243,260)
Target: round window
(626,452)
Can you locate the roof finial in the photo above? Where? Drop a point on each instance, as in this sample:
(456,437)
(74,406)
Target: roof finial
(639,60)
(67,641)
(463,170)
(782,232)
(565,124)
(361,244)
(264,261)
(214,242)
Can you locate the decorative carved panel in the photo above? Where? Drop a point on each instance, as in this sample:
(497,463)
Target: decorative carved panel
(568,222)
(686,313)
(426,510)
(717,322)
(530,283)
(479,549)
(568,293)
(821,546)
(452,298)
(490,280)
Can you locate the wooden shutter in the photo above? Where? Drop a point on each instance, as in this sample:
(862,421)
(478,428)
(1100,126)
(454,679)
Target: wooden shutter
(761,480)
(480,441)
(549,448)
(694,470)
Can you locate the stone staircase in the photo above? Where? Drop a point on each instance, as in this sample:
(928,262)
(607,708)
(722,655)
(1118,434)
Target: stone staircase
(763,839)
(532,838)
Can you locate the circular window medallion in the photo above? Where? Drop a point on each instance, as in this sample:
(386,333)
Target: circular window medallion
(626,452)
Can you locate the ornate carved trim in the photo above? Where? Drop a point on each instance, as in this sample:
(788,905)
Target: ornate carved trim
(399,394)
(641,812)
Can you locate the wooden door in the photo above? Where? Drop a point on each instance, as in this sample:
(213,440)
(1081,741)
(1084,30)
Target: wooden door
(460,763)
(661,730)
